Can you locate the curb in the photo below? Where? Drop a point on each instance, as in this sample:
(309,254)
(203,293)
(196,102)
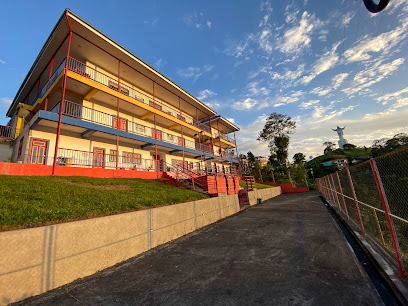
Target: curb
(398,288)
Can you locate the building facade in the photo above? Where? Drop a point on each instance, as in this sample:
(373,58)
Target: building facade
(88,102)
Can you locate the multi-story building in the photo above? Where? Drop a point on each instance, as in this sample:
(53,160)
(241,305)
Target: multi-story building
(88,102)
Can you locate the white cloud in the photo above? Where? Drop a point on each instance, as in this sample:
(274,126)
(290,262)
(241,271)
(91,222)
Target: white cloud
(232,120)
(385,99)
(309,104)
(2,62)
(337,80)
(190,73)
(382,44)
(6,101)
(196,20)
(257,90)
(203,94)
(297,38)
(283,100)
(376,73)
(247,104)
(159,63)
(324,63)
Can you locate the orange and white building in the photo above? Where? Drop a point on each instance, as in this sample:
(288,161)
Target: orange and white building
(87,102)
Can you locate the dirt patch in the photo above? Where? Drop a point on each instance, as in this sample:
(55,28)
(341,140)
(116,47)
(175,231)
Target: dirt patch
(105,187)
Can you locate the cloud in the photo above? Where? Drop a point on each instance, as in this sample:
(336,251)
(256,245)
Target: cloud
(203,94)
(337,80)
(5,103)
(291,98)
(196,20)
(297,38)
(327,61)
(153,22)
(257,90)
(370,76)
(159,63)
(382,44)
(190,73)
(385,99)
(2,62)
(247,104)
(309,104)
(232,120)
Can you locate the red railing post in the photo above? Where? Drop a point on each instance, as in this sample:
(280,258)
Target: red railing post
(353,192)
(342,196)
(384,201)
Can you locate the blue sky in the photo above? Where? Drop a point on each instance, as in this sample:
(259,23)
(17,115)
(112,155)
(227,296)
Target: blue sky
(324,63)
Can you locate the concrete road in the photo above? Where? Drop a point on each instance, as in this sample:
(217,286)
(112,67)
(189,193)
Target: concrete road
(286,251)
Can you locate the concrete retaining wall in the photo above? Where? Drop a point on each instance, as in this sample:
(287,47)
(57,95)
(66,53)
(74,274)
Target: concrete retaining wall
(264,194)
(36,260)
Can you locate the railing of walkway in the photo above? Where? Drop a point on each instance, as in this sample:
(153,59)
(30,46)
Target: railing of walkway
(374,196)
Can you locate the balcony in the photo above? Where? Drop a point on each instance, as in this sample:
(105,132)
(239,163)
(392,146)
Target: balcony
(112,83)
(226,138)
(7,132)
(49,83)
(78,111)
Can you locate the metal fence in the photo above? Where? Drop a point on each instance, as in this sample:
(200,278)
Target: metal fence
(374,196)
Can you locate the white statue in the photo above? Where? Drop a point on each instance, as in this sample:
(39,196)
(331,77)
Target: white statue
(342,141)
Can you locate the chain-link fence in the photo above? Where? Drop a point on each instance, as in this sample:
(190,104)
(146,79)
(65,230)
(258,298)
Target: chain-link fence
(374,196)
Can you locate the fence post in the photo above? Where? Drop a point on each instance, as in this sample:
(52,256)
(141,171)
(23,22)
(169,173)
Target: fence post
(342,196)
(335,191)
(330,191)
(384,201)
(353,192)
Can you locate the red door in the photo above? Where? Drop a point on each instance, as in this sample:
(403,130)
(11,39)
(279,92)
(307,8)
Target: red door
(157,134)
(99,158)
(38,152)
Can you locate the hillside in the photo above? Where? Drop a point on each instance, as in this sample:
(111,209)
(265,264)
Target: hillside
(350,154)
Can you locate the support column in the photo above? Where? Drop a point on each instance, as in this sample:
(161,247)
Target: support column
(155,134)
(62,99)
(48,86)
(183,142)
(118,120)
(384,201)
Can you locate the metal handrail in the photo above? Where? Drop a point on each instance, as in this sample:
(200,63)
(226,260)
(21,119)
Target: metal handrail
(88,114)
(103,79)
(7,132)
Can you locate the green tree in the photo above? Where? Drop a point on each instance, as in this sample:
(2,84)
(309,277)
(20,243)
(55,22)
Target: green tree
(329,146)
(276,131)
(299,158)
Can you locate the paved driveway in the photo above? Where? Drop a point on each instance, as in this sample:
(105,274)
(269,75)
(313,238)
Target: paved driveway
(285,251)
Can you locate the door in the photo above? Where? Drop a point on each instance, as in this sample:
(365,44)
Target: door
(38,152)
(99,158)
(157,134)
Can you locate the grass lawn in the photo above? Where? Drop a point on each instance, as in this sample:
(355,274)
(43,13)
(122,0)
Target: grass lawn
(258,186)
(29,201)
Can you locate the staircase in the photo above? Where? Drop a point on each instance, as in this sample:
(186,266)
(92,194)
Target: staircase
(211,184)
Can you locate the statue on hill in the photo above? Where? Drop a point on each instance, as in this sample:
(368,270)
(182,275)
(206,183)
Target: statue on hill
(342,141)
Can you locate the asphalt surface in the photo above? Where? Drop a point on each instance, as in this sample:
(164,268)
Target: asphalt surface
(286,251)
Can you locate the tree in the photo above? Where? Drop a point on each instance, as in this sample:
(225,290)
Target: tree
(384,145)
(299,158)
(348,146)
(251,159)
(276,131)
(329,146)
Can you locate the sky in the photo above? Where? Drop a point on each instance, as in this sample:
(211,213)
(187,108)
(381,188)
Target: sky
(323,63)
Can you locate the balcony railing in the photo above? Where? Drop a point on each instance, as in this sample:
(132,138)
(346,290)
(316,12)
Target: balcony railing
(85,113)
(226,138)
(7,132)
(49,83)
(103,79)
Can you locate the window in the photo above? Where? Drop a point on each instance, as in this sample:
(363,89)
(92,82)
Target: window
(181,142)
(155,105)
(180,117)
(112,156)
(113,85)
(132,158)
(123,123)
(125,91)
(20,147)
(170,137)
(157,134)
